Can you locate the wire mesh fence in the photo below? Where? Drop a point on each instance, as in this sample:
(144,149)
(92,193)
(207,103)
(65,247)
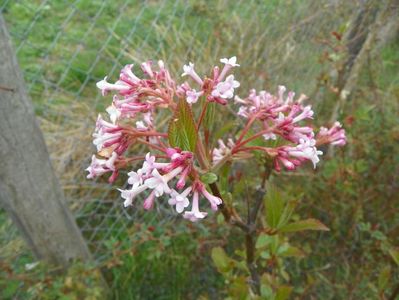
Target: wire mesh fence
(65,47)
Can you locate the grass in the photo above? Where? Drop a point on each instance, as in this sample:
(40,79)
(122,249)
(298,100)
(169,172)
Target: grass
(64,47)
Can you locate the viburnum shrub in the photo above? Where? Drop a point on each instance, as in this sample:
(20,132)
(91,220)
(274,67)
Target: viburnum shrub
(184,161)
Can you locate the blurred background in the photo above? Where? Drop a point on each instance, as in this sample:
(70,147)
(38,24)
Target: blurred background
(343,54)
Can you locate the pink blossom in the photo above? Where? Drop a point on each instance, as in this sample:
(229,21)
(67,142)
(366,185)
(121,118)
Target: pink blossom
(226,88)
(99,167)
(150,164)
(292,156)
(105,86)
(114,113)
(129,195)
(192,96)
(149,201)
(228,64)
(195,214)
(213,200)
(127,75)
(159,182)
(106,135)
(128,107)
(140,126)
(180,200)
(146,67)
(136,178)
(189,70)
(218,154)
(334,136)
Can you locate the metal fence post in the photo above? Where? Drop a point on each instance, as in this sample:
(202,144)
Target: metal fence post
(29,189)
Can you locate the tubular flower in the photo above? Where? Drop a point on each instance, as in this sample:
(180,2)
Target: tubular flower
(334,136)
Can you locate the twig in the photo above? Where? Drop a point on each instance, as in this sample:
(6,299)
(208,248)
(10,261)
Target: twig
(250,240)
(230,216)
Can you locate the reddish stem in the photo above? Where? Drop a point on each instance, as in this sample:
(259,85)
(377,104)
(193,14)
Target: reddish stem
(255,136)
(202,115)
(246,128)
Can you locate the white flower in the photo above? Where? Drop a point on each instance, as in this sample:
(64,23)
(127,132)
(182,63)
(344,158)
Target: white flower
(161,64)
(228,64)
(114,113)
(129,195)
(281,91)
(192,96)
(243,112)
(306,149)
(141,126)
(159,182)
(135,178)
(150,164)
(147,117)
(102,138)
(189,70)
(180,200)
(230,61)
(195,214)
(269,136)
(105,86)
(226,88)
(100,166)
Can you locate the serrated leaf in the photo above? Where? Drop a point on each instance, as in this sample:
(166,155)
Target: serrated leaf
(209,178)
(308,224)
(394,252)
(182,130)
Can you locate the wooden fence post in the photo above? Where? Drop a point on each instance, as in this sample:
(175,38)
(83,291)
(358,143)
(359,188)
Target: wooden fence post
(29,189)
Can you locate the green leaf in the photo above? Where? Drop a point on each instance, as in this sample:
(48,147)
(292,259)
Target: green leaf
(209,178)
(10,290)
(209,118)
(308,224)
(263,241)
(287,213)
(384,277)
(266,291)
(182,129)
(221,260)
(292,251)
(274,206)
(283,292)
(394,252)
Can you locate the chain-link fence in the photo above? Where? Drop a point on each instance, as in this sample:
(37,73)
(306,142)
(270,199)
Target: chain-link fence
(65,47)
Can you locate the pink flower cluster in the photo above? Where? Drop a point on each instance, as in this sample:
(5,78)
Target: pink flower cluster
(281,116)
(156,177)
(170,169)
